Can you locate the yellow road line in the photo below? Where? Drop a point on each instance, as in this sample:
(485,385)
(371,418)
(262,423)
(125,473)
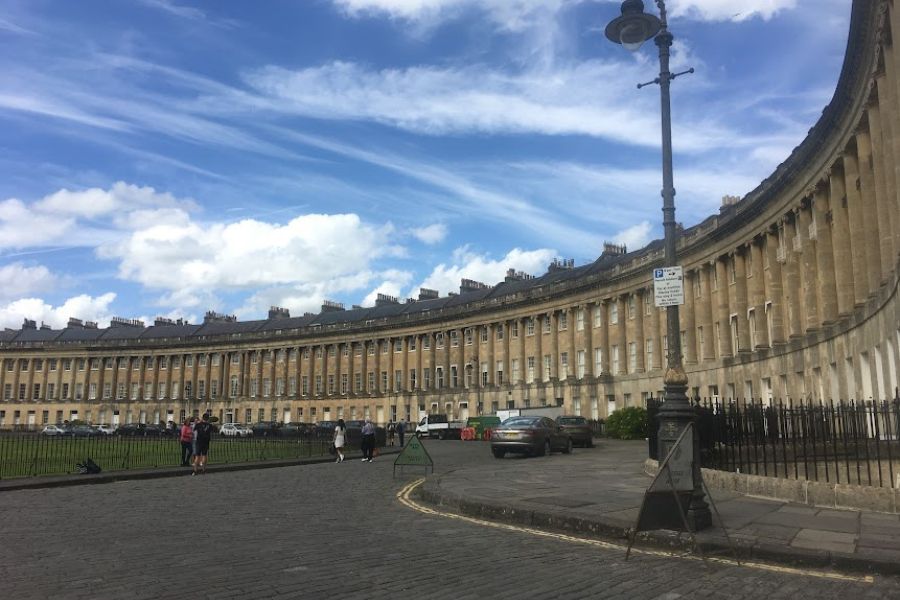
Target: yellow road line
(404,497)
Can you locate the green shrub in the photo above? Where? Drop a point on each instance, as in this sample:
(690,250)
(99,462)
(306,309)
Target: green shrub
(628,423)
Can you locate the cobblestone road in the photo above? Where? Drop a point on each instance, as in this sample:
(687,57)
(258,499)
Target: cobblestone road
(330,531)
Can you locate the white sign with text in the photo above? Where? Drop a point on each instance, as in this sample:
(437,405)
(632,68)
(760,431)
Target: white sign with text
(668,286)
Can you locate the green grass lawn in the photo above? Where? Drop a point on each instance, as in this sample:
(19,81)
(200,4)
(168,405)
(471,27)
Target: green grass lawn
(31,455)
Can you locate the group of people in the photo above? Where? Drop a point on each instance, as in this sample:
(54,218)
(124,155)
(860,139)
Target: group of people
(194,436)
(367,443)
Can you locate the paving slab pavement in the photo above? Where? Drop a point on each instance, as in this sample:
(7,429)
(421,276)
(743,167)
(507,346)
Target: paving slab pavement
(599,491)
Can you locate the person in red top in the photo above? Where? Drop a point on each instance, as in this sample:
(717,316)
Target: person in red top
(186,436)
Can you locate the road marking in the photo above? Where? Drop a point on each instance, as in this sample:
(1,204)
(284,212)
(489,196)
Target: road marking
(404,497)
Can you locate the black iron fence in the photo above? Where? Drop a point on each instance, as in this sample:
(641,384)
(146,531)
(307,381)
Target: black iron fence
(29,455)
(840,442)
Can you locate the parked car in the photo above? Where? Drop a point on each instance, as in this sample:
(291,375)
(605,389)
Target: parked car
(83,431)
(296,430)
(140,429)
(265,428)
(533,436)
(105,429)
(53,431)
(235,430)
(579,429)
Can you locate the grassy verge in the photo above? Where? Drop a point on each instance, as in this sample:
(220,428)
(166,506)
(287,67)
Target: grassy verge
(30,456)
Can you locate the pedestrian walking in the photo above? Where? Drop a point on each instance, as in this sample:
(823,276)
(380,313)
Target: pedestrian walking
(186,436)
(391,429)
(368,440)
(340,432)
(203,431)
(401,430)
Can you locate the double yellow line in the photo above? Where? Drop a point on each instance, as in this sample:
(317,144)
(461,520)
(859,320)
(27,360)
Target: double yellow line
(404,496)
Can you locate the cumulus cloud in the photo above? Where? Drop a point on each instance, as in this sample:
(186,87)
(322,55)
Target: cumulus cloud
(432,234)
(634,237)
(467,264)
(18,280)
(86,217)
(189,258)
(89,308)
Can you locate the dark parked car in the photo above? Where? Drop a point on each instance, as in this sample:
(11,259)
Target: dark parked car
(83,431)
(533,436)
(140,429)
(265,429)
(579,429)
(295,430)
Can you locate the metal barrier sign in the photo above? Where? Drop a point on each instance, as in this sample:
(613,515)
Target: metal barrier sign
(414,454)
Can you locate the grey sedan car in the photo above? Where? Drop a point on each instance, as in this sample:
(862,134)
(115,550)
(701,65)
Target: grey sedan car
(533,436)
(579,429)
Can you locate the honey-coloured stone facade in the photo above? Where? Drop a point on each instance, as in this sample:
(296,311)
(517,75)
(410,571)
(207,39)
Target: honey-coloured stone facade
(790,292)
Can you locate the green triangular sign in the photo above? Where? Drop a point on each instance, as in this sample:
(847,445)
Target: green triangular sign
(414,454)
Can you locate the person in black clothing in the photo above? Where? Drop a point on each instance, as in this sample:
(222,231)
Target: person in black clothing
(203,430)
(401,430)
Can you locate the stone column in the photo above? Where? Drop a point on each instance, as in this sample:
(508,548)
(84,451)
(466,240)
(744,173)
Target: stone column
(623,334)
(491,353)
(589,309)
(573,353)
(843,277)
(639,340)
(689,320)
(705,314)
(810,271)
(792,278)
(539,347)
(871,222)
(656,325)
(883,204)
(723,313)
(857,230)
(447,350)
(507,364)
(888,156)
(554,345)
(523,362)
(758,292)
(827,291)
(604,336)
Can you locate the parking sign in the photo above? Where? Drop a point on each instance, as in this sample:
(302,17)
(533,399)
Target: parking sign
(668,286)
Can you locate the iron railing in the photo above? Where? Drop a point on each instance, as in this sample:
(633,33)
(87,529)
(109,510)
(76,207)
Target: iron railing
(30,455)
(837,442)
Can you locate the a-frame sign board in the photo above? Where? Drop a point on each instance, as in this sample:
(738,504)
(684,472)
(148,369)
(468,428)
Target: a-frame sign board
(667,499)
(414,454)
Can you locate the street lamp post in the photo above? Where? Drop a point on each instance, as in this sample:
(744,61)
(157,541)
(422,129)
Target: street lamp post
(632,29)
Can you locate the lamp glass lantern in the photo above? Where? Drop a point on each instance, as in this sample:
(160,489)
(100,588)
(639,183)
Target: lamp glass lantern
(633,27)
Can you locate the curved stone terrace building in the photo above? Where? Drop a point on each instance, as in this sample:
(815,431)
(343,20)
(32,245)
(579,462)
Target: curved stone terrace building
(790,291)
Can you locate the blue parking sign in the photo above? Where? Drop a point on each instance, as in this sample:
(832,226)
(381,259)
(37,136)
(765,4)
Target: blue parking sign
(658,274)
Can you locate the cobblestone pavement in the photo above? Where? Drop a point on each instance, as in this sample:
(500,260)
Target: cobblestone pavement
(331,531)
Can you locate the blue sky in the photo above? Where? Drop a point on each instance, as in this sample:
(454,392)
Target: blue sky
(166,157)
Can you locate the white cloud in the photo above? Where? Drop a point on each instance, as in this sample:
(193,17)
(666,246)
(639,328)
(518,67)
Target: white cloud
(85,307)
(432,234)
(18,280)
(192,257)
(577,99)
(634,237)
(73,217)
(480,267)
(19,224)
(508,14)
(729,10)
